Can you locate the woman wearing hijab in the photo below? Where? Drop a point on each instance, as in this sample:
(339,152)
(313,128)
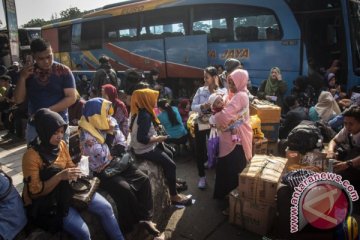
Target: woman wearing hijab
(102,140)
(147,144)
(47,169)
(233,155)
(326,108)
(121,115)
(274,88)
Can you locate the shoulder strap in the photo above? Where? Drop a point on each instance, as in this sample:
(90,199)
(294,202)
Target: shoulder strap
(350,141)
(6,193)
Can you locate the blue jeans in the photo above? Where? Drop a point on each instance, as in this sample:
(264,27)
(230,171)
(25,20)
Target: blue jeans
(31,134)
(75,225)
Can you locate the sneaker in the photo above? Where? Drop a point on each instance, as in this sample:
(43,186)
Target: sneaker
(7,136)
(202,183)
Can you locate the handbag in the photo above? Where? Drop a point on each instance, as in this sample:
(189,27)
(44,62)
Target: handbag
(118,165)
(84,189)
(213,147)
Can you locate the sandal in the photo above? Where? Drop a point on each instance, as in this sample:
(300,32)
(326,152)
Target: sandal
(185,201)
(150,227)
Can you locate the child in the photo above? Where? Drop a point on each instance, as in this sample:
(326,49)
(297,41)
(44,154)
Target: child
(217,103)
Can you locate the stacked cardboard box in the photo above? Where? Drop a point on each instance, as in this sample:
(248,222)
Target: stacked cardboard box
(260,146)
(259,180)
(249,215)
(252,205)
(270,118)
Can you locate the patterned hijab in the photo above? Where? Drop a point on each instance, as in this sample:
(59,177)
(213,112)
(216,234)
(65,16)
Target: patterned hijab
(144,99)
(95,117)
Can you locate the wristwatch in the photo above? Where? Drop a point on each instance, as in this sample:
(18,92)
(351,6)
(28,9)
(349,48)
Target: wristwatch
(350,163)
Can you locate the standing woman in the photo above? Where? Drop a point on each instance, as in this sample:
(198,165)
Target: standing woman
(121,114)
(147,144)
(202,129)
(274,88)
(233,155)
(47,169)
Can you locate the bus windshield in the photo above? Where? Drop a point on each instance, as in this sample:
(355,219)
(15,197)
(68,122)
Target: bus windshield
(355,33)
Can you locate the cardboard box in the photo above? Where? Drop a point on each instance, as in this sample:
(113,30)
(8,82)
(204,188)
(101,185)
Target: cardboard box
(268,113)
(260,146)
(257,218)
(314,158)
(260,178)
(271,131)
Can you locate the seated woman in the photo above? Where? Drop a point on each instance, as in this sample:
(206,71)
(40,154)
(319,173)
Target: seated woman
(147,144)
(102,140)
(325,109)
(274,88)
(47,169)
(121,114)
(171,120)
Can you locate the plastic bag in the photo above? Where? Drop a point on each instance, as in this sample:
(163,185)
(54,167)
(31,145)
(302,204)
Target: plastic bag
(213,147)
(84,165)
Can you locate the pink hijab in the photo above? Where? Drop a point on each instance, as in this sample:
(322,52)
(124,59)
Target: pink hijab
(238,106)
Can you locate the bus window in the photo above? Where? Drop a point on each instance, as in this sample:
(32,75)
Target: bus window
(91,35)
(122,28)
(355,34)
(64,39)
(76,40)
(160,23)
(228,22)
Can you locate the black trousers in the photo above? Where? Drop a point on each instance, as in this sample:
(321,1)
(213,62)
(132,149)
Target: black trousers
(200,149)
(164,158)
(131,191)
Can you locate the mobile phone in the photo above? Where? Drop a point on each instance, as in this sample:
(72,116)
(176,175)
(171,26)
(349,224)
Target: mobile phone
(29,60)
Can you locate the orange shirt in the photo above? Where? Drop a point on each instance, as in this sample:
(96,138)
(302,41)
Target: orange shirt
(32,164)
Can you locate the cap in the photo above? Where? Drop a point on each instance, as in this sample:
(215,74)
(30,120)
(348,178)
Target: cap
(231,64)
(213,98)
(330,76)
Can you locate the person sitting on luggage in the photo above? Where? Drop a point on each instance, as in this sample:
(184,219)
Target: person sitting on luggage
(102,140)
(170,119)
(47,170)
(293,117)
(326,108)
(12,212)
(345,146)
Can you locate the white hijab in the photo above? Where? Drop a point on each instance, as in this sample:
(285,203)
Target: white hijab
(327,106)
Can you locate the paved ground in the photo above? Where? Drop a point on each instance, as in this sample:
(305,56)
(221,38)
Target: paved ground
(201,221)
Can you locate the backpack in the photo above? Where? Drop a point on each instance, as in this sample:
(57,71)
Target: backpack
(305,137)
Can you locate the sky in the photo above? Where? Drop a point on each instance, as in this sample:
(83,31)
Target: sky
(30,9)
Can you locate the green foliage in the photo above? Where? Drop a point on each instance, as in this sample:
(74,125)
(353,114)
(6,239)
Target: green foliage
(37,22)
(70,13)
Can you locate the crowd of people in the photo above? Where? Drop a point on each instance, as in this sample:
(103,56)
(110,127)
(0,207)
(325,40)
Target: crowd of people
(148,121)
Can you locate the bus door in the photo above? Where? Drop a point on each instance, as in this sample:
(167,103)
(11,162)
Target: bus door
(186,56)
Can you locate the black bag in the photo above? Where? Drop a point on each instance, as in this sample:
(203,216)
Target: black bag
(326,131)
(84,189)
(304,137)
(48,211)
(118,165)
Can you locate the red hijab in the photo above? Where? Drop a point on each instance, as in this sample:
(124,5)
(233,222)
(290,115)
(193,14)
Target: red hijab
(111,91)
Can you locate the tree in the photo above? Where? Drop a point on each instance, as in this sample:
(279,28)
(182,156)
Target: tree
(70,13)
(37,22)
